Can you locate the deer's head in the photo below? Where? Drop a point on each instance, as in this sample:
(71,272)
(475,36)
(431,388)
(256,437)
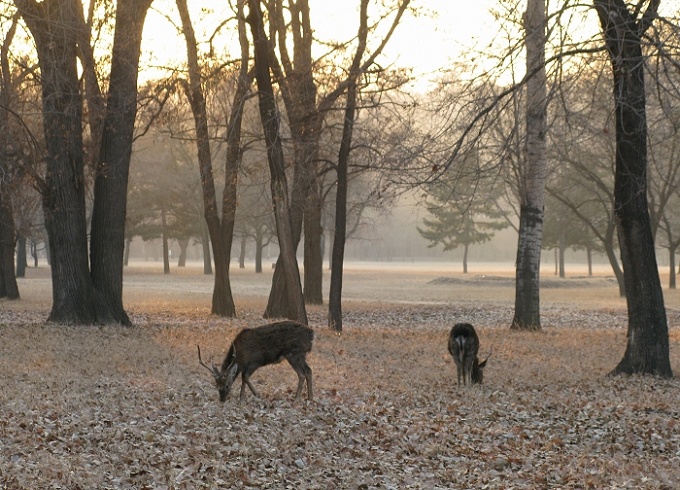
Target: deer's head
(223,378)
(478,370)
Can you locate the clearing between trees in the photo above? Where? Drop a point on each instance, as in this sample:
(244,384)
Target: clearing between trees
(124,408)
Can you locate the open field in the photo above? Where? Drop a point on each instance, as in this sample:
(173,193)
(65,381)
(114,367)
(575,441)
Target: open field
(118,408)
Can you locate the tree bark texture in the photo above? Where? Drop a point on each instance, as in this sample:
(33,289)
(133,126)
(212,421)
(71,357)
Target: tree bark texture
(647,349)
(53,26)
(527,294)
(107,241)
(279,188)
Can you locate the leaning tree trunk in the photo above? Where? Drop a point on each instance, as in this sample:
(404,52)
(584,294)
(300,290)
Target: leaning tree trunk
(528,265)
(647,350)
(107,241)
(279,186)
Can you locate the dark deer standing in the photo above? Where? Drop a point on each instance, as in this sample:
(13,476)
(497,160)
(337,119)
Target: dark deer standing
(463,346)
(256,347)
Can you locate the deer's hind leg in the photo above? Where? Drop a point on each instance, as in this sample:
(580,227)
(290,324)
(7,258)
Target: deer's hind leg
(298,362)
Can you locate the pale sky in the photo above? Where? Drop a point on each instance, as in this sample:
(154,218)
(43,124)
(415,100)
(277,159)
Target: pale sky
(425,43)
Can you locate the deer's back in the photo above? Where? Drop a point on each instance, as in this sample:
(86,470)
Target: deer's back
(270,343)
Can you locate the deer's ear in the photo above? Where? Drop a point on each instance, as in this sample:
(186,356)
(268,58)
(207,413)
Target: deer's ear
(231,371)
(483,364)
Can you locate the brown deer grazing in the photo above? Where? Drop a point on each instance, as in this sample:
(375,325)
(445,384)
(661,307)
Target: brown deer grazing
(463,346)
(256,347)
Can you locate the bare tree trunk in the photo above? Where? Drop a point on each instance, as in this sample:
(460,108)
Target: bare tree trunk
(561,248)
(107,240)
(22,262)
(8,281)
(305,116)
(34,254)
(81,295)
(165,245)
(126,257)
(52,24)
(279,187)
(671,269)
(527,294)
(242,254)
(340,236)
(221,231)
(647,350)
(183,245)
(258,254)
(207,254)
(338,260)
(466,248)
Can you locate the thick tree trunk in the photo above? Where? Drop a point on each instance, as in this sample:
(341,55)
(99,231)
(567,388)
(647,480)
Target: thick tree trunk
(527,298)
(305,154)
(279,187)
(647,350)
(53,26)
(107,242)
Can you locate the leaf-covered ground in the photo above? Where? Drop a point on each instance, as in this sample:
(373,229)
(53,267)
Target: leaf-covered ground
(109,407)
